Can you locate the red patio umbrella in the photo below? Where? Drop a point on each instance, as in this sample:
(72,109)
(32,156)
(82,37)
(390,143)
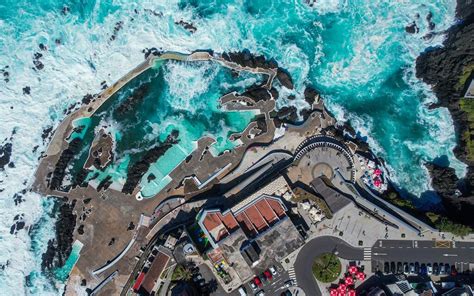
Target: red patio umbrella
(349,280)
(377,172)
(353,269)
(351,292)
(360,276)
(377,183)
(342,288)
(333,292)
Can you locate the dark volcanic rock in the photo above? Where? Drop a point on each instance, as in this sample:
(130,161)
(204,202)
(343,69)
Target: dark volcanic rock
(310,95)
(26,90)
(137,96)
(154,51)
(80,229)
(104,184)
(36,61)
(87,99)
(5,73)
(5,154)
(65,10)
(284,78)
(117,28)
(257,93)
(60,247)
(18,225)
(247,59)
(447,185)
(138,169)
(431,24)
(151,177)
(46,133)
(412,28)
(441,67)
(188,26)
(60,168)
(444,180)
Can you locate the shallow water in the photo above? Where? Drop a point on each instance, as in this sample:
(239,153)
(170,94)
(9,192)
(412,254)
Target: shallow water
(355,52)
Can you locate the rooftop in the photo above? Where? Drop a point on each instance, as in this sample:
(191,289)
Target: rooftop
(155,271)
(335,200)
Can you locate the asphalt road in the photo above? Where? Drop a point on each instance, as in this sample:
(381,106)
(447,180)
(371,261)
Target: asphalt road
(314,248)
(458,253)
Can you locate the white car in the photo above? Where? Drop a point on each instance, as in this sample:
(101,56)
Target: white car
(429,269)
(242,292)
(260,293)
(253,286)
(273,270)
(288,284)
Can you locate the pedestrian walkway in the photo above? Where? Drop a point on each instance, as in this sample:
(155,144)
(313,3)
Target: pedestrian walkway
(367,254)
(291,273)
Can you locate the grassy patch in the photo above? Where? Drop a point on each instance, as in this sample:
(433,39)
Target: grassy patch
(467,105)
(403,203)
(466,72)
(301,195)
(327,268)
(446,225)
(181,273)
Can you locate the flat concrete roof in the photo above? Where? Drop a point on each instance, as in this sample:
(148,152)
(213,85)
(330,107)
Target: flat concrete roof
(334,199)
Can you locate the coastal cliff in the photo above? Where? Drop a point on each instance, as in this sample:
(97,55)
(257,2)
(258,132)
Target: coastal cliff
(449,70)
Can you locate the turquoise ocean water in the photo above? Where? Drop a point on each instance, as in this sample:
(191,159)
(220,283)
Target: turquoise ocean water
(356,53)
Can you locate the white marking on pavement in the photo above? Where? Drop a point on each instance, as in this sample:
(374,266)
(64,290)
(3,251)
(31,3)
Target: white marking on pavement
(450,255)
(367,254)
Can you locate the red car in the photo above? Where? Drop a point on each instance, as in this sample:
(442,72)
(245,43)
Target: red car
(268,274)
(257,281)
(454,272)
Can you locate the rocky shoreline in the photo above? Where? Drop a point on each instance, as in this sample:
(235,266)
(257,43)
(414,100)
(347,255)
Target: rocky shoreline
(60,247)
(447,69)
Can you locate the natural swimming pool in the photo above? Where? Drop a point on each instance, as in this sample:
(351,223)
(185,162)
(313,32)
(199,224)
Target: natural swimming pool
(170,97)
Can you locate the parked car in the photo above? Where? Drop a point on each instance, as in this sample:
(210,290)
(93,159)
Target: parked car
(273,270)
(289,283)
(399,267)
(242,291)
(454,272)
(386,267)
(263,278)
(286,293)
(268,275)
(423,269)
(260,293)
(253,286)
(412,268)
(429,269)
(448,268)
(435,269)
(257,281)
(392,267)
(417,267)
(442,269)
(406,268)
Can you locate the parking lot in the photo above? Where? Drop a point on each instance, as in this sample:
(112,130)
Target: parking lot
(422,257)
(275,286)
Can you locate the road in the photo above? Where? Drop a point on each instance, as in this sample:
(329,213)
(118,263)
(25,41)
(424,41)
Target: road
(457,253)
(314,248)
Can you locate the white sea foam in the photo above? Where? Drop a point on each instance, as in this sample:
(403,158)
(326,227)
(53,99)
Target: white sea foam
(87,56)
(186,82)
